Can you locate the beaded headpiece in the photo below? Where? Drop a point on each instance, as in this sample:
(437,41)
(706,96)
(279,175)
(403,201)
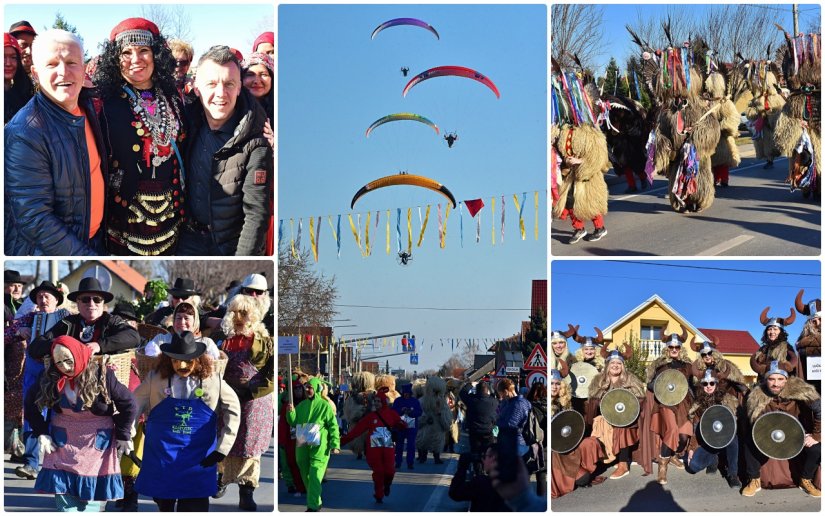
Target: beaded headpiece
(134,31)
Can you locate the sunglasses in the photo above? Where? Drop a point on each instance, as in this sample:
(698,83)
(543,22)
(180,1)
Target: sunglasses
(674,347)
(705,384)
(252,292)
(706,354)
(182,298)
(182,62)
(89,299)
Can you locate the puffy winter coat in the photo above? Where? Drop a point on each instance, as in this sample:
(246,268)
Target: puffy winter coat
(240,182)
(47,179)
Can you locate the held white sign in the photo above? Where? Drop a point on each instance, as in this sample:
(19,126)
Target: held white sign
(814,371)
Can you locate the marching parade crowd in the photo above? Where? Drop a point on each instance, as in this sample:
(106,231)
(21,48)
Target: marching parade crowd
(100,406)
(692,415)
(378,423)
(130,153)
(686,129)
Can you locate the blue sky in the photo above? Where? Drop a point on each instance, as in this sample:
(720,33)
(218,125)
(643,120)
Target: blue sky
(235,25)
(334,81)
(597,293)
(619,45)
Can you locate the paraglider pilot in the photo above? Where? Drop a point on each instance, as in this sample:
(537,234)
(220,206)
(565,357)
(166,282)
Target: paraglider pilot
(451,139)
(404,71)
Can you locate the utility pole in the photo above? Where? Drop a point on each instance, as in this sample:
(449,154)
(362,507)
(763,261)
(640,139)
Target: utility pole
(795,19)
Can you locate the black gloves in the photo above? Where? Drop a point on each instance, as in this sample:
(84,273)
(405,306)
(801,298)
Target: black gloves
(212,459)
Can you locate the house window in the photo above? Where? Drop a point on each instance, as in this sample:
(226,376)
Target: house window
(649,340)
(650,332)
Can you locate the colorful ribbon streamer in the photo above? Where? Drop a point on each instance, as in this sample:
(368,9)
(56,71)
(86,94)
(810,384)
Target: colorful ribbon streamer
(423,224)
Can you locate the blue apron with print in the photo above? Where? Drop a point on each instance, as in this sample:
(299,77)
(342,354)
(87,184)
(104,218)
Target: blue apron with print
(179,435)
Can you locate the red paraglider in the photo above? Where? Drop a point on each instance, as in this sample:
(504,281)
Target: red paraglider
(457,71)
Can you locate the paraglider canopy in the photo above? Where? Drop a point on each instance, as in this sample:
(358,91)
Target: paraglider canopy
(405,21)
(404,179)
(457,71)
(402,116)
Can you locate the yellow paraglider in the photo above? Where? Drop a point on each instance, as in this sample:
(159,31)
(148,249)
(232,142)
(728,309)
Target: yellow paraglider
(404,179)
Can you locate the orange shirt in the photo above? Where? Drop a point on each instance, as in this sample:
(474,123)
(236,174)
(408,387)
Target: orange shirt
(97,177)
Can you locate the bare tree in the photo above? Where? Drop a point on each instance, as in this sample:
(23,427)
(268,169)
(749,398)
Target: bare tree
(576,30)
(173,21)
(212,276)
(265,24)
(740,29)
(305,297)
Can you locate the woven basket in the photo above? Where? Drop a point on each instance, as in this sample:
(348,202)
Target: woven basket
(149,331)
(120,363)
(220,364)
(145,363)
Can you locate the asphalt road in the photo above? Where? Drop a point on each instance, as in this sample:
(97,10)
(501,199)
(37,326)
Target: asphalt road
(756,215)
(20,496)
(683,492)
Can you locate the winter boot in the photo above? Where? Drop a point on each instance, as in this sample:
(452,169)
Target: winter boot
(222,487)
(662,476)
(246,502)
(130,501)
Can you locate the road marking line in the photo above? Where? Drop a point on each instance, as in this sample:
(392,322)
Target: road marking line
(757,164)
(630,196)
(438,494)
(725,246)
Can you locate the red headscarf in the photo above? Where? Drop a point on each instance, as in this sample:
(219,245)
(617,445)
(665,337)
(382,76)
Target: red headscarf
(11,41)
(81,354)
(266,37)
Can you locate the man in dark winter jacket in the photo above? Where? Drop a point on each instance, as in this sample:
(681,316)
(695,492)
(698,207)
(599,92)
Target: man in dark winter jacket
(229,163)
(481,416)
(54,175)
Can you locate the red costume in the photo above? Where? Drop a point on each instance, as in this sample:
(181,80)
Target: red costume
(380,450)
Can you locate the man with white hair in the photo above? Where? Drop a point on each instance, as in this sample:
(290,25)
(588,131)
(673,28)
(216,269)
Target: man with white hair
(54,175)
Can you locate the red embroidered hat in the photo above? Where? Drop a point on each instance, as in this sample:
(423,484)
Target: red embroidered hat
(134,31)
(11,41)
(266,37)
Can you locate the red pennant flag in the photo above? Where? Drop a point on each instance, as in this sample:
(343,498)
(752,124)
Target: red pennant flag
(474,206)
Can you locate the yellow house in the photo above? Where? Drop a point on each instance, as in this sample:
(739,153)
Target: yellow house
(644,324)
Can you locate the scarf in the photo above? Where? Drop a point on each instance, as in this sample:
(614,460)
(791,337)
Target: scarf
(81,354)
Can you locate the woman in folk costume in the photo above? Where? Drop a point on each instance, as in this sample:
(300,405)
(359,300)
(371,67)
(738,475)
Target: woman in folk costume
(250,371)
(574,468)
(671,424)
(434,421)
(726,155)
(775,345)
(183,442)
(763,111)
(685,134)
(809,342)
(582,157)
(91,416)
(727,374)
(361,385)
(378,424)
(588,352)
(617,440)
(701,456)
(558,341)
(798,132)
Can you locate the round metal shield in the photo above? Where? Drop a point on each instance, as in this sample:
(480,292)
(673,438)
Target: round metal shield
(581,375)
(778,435)
(566,431)
(670,387)
(717,426)
(620,407)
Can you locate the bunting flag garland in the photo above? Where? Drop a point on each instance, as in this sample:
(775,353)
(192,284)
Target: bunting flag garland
(398,229)
(292,239)
(493,218)
(280,232)
(356,234)
(312,243)
(388,232)
(473,208)
(444,232)
(440,227)
(298,236)
(409,230)
(423,224)
(461,224)
(336,233)
(502,219)
(536,222)
(367,246)
(520,209)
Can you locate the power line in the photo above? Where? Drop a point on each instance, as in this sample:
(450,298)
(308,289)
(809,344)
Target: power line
(667,280)
(717,268)
(438,308)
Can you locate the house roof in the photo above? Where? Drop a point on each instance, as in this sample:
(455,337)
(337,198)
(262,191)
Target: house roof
(733,341)
(129,275)
(538,299)
(608,332)
(480,361)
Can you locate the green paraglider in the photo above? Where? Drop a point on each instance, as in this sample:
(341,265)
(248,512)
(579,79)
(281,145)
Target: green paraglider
(402,116)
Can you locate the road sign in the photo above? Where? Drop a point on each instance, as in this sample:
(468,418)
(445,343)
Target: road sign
(413,358)
(512,370)
(536,377)
(502,372)
(287,345)
(537,360)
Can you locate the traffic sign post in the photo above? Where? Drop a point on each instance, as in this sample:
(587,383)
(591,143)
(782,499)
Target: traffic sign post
(536,377)
(287,346)
(537,360)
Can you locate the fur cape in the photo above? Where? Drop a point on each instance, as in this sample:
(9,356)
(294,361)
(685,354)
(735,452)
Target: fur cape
(796,389)
(726,152)
(731,371)
(554,359)
(387,380)
(767,104)
(362,385)
(585,181)
(809,345)
(665,359)
(634,385)
(436,417)
(418,388)
(598,360)
(727,400)
(767,354)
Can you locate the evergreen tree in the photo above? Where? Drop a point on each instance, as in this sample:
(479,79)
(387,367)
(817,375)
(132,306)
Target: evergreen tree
(61,23)
(636,364)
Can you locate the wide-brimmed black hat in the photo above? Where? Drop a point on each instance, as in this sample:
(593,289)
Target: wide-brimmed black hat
(48,286)
(183,347)
(126,311)
(12,276)
(183,287)
(90,286)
